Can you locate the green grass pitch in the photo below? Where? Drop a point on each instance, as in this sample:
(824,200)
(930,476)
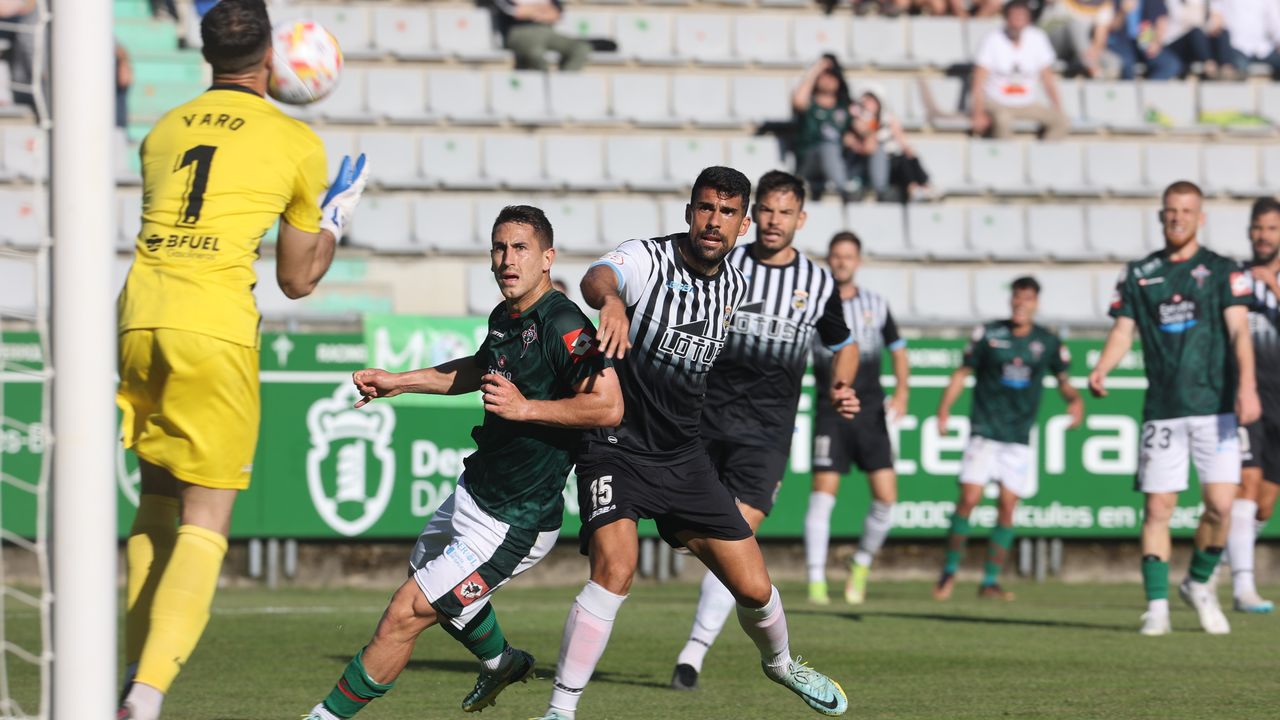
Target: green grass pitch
(1059,651)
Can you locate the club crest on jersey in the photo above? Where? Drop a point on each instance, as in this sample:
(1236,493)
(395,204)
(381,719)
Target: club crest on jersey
(502,361)
(728,316)
(1201,273)
(528,337)
(471,589)
(351,468)
(800,299)
(1037,349)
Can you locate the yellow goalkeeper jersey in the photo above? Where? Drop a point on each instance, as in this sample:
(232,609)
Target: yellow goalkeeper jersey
(216,174)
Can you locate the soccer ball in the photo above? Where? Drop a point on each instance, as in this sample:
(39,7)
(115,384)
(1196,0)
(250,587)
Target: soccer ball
(306,62)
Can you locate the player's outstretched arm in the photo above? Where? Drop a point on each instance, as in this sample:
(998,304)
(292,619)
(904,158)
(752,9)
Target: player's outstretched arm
(455,377)
(1248,407)
(596,402)
(600,290)
(949,396)
(1075,403)
(1119,340)
(302,259)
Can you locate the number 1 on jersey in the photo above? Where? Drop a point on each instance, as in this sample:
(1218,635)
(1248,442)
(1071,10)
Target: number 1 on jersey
(201,156)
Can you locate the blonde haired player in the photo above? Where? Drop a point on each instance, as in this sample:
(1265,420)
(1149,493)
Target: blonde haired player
(217,173)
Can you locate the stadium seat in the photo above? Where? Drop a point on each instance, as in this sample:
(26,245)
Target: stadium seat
(25,153)
(1115,106)
(1058,167)
(704,38)
(944,159)
(812,36)
(754,156)
(404,31)
(393,159)
(645,36)
(579,97)
(1118,231)
(1117,167)
(466,33)
(1232,169)
(1072,96)
(940,102)
(938,231)
(823,219)
(703,100)
(623,219)
(577,161)
(125,158)
(348,23)
(893,284)
(764,39)
(643,99)
(882,229)
(576,225)
(1269,102)
(397,94)
(21,225)
(1226,229)
(881,43)
(976,30)
(671,216)
(515,161)
(520,96)
(384,225)
(937,41)
(1061,292)
(454,160)
(941,295)
(130,219)
(758,99)
(991,292)
(1175,101)
(637,161)
(585,24)
(687,156)
(1271,165)
(1227,97)
(346,104)
(999,166)
(999,232)
(336,144)
(460,95)
(1057,232)
(1164,163)
(17,286)
(482,294)
(446,224)
(1104,289)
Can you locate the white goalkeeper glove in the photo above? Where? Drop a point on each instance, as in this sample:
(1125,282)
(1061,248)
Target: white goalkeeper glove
(343,196)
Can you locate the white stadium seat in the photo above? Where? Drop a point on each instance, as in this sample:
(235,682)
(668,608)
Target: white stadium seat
(1176,100)
(466,33)
(882,229)
(520,96)
(445,224)
(643,98)
(21,225)
(632,217)
(814,35)
(671,216)
(944,159)
(1164,163)
(1114,105)
(17,286)
(585,24)
(348,23)
(703,38)
(999,231)
(702,100)
(823,219)
(336,144)
(1065,296)
(1226,230)
(392,158)
(25,152)
(579,97)
(881,43)
(404,31)
(576,225)
(453,159)
(130,209)
(637,161)
(397,94)
(460,95)
(941,295)
(937,41)
(577,161)
(1269,102)
(938,231)
(763,38)
(645,36)
(688,155)
(1058,232)
(1118,231)
(515,161)
(384,225)
(893,284)
(759,99)
(1104,288)
(754,156)
(999,165)
(347,101)
(976,30)
(991,289)
(1117,167)
(1233,169)
(1219,97)
(482,293)
(1058,167)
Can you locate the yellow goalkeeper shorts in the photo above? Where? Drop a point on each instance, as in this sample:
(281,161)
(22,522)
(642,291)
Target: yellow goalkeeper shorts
(190,404)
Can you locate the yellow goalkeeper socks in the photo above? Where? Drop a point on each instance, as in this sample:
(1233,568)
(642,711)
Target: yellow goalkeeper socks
(155,529)
(181,606)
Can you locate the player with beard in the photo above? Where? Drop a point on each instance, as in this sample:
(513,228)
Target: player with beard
(666,305)
(1190,306)
(752,396)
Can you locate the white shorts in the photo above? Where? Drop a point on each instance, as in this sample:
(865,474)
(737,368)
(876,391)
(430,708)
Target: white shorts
(1012,465)
(464,554)
(1212,441)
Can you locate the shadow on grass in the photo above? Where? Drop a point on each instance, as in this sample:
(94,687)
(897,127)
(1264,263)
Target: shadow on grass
(471,667)
(978,620)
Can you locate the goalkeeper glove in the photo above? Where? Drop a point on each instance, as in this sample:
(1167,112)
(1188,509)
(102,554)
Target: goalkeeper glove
(344,194)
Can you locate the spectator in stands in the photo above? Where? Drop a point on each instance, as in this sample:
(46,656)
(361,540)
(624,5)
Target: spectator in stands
(124,78)
(1078,30)
(1013,67)
(528,31)
(1186,40)
(1253,28)
(821,103)
(869,159)
(21,48)
(885,159)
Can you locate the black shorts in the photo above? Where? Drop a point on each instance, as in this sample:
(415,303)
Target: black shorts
(683,495)
(1261,447)
(753,474)
(864,441)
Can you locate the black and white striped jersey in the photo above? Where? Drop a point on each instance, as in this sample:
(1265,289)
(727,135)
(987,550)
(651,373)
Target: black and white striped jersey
(867,314)
(753,393)
(679,321)
(1264,325)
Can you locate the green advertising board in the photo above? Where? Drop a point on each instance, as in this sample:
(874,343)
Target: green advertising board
(326,470)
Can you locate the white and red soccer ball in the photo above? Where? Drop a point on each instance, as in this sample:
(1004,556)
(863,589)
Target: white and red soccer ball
(306,62)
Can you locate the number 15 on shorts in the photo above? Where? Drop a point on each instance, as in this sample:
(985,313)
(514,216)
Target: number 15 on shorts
(601,495)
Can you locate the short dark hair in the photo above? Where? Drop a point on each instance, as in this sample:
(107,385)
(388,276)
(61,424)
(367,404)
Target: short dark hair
(844,236)
(236,35)
(1262,206)
(1026,282)
(1009,6)
(1182,187)
(530,216)
(779,181)
(726,181)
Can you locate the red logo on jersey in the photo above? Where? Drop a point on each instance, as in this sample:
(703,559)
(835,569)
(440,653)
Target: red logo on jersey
(471,589)
(579,344)
(1240,284)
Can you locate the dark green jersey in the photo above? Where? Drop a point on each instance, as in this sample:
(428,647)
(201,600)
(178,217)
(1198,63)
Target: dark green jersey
(1009,375)
(518,471)
(1178,308)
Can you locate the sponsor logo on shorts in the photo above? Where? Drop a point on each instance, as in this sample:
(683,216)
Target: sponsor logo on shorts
(351,468)
(471,589)
(459,554)
(601,511)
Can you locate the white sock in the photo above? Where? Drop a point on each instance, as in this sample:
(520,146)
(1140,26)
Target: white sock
(874,531)
(144,701)
(586,634)
(767,628)
(1240,542)
(1158,607)
(500,661)
(715,602)
(817,534)
(323,713)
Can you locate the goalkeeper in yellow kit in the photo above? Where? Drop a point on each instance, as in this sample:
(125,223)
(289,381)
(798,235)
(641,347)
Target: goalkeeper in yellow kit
(217,173)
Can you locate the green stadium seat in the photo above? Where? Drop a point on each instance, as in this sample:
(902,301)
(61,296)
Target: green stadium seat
(131,10)
(168,68)
(147,36)
(151,100)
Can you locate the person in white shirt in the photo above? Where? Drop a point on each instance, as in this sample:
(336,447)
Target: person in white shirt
(1013,67)
(1078,30)
(1254,28)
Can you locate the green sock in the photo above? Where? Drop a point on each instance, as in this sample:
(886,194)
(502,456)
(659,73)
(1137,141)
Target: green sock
(1203,563)
(955,544)
(354,689)
(997,551)
(482,635)
(1155,578)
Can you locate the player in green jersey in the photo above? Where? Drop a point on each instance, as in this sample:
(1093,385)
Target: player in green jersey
(1190,306)
(543,381)
(1009,360)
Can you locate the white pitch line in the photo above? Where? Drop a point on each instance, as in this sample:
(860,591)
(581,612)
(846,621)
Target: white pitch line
(297,610)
